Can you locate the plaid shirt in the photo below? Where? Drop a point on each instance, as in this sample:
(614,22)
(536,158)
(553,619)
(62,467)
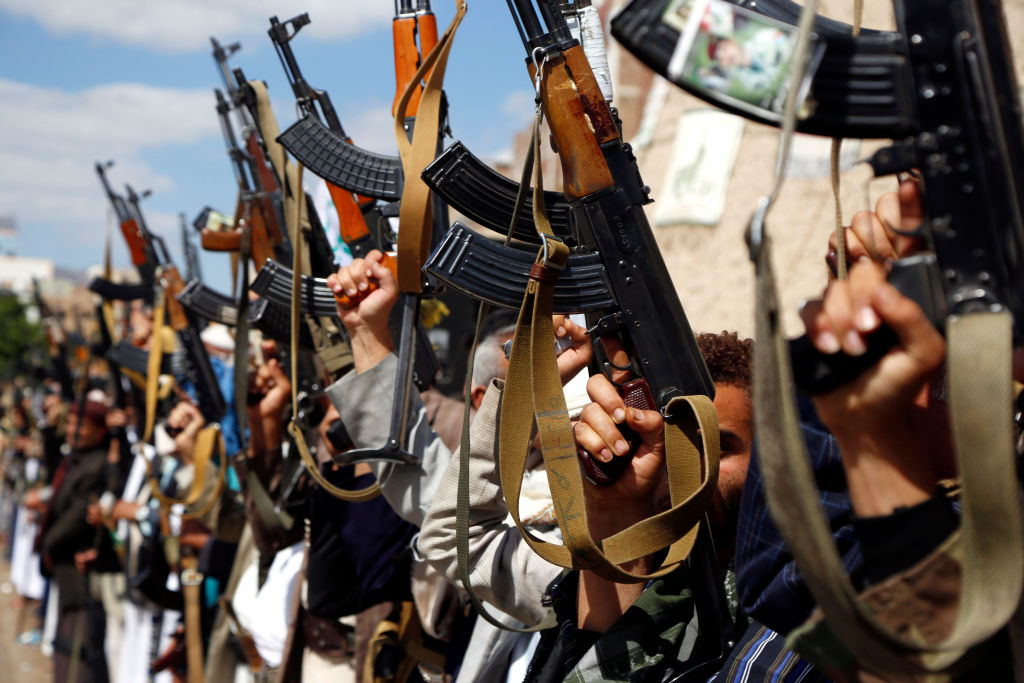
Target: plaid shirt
(656,637)
(771,588)
(761,655)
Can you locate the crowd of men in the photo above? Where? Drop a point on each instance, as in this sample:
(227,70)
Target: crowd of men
(107,534)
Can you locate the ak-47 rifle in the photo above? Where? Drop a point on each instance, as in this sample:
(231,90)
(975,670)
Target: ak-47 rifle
(197,369)
(56,343)
(141,254)
(355,228)
(632,298)
(355,216)
(188,248)
(259,185)
(943,88)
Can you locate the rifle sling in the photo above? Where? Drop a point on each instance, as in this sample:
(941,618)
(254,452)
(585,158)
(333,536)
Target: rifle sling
(533,392)
(415,217)
(981,392)
(294,428)
(191,584)
(462,492)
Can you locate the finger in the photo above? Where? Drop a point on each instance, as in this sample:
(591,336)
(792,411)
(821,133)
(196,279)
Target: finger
(917,335)
(865,277)
(345,283)
(911,205)
(648,424)
(618,357)
(604,394)
(609,440)
(357,272)
(838,309)
(871,233)
(383,271)
(819,327)
(591,442)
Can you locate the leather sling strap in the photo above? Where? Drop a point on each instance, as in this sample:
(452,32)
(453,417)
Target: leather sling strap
(415,213)
(241,355)
(191,584)
(533,392)
(294,428)
(291,186)
(153,365)
(979,369)
(209,442)
(405,634)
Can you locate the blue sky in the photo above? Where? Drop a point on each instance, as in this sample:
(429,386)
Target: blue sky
(132,82)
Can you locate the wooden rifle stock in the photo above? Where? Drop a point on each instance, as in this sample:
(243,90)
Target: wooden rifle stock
(407,55)
(218,240)
(583,165)
(173,286)
(135,241)
(350,216)
(261,236)
(390,262)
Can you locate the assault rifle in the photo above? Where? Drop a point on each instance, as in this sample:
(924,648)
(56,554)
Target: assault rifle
(259,186)
(258,212)
(188,248)
(272,320)
(142,255)
(615,273)
(56,343)
(197,369)
(276,284)
(943,89)
(316,105)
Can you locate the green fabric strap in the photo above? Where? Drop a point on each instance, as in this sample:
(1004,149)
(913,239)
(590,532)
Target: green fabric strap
(294,429)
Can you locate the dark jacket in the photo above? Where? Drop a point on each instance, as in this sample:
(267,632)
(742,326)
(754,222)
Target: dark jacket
(66,532)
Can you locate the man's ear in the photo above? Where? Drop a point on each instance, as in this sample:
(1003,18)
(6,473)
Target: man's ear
(476,395)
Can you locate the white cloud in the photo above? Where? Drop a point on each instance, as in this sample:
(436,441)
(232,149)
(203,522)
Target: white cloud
(185,25)
(51,138)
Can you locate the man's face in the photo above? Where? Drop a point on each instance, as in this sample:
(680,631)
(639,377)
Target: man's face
(89,433)
(736,428)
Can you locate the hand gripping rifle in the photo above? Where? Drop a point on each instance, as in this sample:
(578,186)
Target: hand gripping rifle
(942,87)
(637,299)
(316,105)
(618,276)
(197,369)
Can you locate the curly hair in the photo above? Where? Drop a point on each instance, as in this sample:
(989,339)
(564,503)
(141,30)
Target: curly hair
(728,356)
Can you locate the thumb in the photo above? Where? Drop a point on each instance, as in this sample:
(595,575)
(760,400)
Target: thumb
(917,335)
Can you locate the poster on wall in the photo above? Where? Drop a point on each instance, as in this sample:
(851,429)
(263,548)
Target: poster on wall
(699,168)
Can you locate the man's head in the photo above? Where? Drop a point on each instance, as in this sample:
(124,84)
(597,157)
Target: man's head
(489,360)
(728,358)
(86,425)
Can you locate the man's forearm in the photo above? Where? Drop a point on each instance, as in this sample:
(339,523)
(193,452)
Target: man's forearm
(601,602)
(369,347)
